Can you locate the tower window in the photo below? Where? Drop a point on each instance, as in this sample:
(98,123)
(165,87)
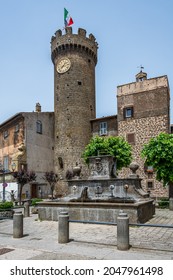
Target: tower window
(5,134)
(39,127)
(128,112)
(17,128)
(103,128)
(150,184)
(79,83)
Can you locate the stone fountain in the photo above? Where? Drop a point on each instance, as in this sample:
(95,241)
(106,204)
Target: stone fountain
(102,195)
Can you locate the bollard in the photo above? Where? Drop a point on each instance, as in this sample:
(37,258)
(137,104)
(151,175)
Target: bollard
(122,231)
(171,204)
(26,209)
(18,225)
(63,227)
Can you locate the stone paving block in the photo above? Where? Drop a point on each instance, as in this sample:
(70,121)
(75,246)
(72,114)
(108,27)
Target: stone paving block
(88,241)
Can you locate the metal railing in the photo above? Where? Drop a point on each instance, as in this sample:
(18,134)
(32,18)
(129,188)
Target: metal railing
(115,224)
(122,228)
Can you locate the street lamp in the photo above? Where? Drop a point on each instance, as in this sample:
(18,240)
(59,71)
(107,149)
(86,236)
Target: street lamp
(13,167)
(2,172)
(4,184)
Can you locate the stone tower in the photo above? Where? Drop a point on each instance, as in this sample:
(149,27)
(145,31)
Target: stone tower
(74,57)
(143,112)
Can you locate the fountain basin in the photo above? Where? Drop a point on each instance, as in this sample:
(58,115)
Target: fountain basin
(138,212)
(100,197)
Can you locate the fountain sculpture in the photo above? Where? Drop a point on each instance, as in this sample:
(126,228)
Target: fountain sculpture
(102,195)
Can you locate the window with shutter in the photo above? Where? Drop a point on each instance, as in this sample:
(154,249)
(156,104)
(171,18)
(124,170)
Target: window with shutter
(103,128)
(130,138)
(128,112)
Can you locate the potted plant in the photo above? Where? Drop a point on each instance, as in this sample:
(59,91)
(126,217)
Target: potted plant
(6,210)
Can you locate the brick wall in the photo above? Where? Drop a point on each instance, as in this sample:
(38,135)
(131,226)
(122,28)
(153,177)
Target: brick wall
(144,129)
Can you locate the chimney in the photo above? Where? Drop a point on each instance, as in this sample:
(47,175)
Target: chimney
(38,107)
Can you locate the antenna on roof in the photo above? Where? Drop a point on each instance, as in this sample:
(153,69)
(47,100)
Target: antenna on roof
(142,67)
(141,75)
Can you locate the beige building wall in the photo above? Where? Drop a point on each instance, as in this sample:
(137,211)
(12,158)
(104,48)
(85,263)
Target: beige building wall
(12,138)
(39,146)
(27,139)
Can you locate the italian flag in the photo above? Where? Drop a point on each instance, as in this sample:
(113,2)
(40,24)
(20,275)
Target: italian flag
(67,18)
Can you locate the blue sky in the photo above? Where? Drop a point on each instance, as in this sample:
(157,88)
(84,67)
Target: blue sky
(130,33)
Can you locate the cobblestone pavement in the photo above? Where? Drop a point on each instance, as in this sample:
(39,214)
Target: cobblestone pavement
(87,241)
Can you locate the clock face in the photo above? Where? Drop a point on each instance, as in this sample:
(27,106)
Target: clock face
(63,65)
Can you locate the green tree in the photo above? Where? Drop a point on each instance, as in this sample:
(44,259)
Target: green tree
(114,146)
(52,179)
(159,154)
(23,177)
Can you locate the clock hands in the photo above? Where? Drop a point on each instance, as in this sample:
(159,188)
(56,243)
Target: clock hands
(63,65)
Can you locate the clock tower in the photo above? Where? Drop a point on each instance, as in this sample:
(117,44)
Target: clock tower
(74,57)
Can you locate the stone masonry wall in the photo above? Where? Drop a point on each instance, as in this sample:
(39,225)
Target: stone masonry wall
(74,94)
(144,129)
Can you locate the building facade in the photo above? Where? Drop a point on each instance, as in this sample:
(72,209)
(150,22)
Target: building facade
(105,126)
(46,141)
(27,140)
(143,112)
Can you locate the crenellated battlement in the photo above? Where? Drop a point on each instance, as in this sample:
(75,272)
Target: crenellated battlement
(146,85)
(62,43)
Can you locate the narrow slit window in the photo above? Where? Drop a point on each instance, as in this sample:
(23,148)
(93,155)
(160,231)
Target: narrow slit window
(39,127)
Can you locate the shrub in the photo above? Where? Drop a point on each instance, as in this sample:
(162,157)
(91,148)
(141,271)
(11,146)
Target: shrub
(6,205)
(163,203)
(35,200)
